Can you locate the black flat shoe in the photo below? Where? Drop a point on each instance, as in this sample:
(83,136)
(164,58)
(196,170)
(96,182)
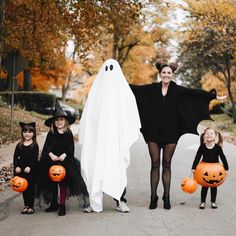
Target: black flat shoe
(62,210)
(52,207)
(166,202)
(24,211)
(153,203)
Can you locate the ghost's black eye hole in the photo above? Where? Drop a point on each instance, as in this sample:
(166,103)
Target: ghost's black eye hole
(111,67)
(106,68)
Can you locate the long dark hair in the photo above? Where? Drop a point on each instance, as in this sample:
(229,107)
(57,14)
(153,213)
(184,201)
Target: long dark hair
(28,127)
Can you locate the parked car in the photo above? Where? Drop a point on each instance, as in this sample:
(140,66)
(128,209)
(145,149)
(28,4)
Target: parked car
(71,111)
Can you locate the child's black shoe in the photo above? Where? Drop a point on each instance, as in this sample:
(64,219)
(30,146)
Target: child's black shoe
(202,205)
(62,210)
(213,205)
(52,207)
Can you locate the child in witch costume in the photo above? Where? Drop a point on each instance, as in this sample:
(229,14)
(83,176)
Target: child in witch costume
(25,163)
(59,149)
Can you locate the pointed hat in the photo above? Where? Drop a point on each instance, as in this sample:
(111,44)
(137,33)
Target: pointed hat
(58,112)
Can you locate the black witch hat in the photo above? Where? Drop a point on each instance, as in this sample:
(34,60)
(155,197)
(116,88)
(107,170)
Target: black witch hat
(58,112)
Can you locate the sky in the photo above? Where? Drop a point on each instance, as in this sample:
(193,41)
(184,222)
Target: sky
(176,18)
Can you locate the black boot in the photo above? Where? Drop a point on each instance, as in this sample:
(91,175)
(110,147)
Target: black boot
(53,207)
(153,203)
(62,210)
(166,200)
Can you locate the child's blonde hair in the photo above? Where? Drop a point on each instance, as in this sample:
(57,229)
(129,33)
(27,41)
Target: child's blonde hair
(218,135)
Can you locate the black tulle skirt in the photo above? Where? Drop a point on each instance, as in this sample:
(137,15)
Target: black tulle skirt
(73,181)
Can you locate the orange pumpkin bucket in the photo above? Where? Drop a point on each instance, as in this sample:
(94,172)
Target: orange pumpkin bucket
(210,174)
(57,173)
(19,184)
(189,185)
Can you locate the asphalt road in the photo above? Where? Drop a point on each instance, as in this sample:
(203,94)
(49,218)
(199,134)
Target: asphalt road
(184,218)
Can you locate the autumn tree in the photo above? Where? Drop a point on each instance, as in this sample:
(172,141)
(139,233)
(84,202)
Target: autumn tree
(36,29)
(2,29)
(145,43)
(209,41)
(137,48)
(139,63)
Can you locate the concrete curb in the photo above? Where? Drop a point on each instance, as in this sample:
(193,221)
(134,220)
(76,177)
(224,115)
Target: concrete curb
(5,202)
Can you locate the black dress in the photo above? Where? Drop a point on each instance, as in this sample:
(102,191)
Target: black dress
(165,118)
(58,144)
(27,156)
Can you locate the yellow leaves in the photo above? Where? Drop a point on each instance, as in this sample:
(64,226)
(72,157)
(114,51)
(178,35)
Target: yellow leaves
(87,85)
(43,80)
(142,53)
(35,28)
(138,73)
(211,25)
(210,81)
(160,34)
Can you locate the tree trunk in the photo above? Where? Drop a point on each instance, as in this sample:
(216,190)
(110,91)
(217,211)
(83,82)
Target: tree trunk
(115,45)
(27,86)
(65,87)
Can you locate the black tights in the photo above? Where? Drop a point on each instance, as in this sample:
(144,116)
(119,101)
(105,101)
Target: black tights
(29,195)
(204,194)
(154,151)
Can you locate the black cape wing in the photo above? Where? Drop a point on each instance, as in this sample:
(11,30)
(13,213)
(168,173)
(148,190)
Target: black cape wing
(192,109)
(142,95)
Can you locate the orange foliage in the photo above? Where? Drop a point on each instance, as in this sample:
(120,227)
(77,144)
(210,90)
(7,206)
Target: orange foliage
(43,80)
(210,81)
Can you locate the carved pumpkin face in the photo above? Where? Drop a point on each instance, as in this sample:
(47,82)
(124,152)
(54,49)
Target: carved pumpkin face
(210,174)
(189,185)
(57,173)
(19,184)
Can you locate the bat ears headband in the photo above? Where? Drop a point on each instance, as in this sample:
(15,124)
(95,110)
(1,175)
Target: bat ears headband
(22,124)
(172,65)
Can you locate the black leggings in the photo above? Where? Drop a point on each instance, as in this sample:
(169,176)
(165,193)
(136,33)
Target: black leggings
(29,195)
(154,151)
(204,194)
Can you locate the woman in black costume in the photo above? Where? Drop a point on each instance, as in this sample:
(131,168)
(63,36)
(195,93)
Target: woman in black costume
(168,111)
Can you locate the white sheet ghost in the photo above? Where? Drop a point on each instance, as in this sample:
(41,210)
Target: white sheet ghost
(109,126)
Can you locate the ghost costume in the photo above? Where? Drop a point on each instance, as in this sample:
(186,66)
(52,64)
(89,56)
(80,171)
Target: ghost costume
(109,126)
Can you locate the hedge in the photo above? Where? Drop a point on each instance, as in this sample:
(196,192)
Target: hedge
(31,101)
